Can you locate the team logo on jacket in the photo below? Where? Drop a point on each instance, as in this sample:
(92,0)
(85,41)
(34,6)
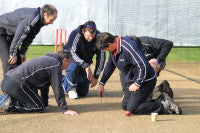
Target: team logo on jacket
(148,55)
(27,29)
(121,59)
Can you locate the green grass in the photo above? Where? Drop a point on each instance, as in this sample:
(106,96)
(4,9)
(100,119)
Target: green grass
(39,50)
(177,53)
(184,54)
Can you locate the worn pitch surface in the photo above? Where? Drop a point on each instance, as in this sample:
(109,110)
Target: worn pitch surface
(104,115)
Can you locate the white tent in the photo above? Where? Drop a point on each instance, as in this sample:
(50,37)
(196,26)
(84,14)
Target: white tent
(174,20)
(71,13)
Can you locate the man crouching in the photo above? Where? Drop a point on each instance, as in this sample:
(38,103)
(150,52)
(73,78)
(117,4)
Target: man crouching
(22,84)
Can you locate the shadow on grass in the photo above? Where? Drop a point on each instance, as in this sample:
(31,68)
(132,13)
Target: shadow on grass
(80,108)
(93,93)
(189,105)
(188,99)
(92,107)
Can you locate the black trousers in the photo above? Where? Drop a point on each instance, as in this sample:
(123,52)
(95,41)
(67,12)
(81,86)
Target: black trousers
(136,102)
(24,98)
(5,42)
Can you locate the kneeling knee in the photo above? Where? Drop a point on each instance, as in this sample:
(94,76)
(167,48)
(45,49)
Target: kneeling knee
(124,107)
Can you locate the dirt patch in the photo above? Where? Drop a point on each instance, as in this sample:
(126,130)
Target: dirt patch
(105,114)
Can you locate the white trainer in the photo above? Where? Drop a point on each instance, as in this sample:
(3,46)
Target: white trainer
(171,108)
(72,93)
(5,101)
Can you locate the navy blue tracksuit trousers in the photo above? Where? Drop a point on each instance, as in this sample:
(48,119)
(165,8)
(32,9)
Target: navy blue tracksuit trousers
(137,103)
(5,42)
(23,98)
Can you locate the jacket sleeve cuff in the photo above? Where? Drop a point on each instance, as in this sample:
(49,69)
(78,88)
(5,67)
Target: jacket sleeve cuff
(102,83)
(85,65)
(96,76)
(137,84)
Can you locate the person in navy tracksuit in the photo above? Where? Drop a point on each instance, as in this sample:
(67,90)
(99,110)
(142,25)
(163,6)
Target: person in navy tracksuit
(140,79)
(156,51)
(17,31)
(81,43)
(22,83)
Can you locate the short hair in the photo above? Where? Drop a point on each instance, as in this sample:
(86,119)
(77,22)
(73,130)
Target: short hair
(90,26)
(103,39)
(64,54)
(49,9)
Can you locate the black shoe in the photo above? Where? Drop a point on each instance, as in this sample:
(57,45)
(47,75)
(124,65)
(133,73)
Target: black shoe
(165,87)
(171,108)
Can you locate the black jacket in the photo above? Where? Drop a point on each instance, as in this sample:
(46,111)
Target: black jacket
(41,72)
(24,24)
(83,51)
(156,48)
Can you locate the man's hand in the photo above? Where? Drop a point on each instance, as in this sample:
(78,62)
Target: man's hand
(101,90)
(93,82)
(133,87)
(12,60)
(23,58)
(89,73)
(71,112)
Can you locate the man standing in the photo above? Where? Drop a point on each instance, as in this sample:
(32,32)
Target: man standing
(140,79)
(81,43)
(20,28)
(22,83)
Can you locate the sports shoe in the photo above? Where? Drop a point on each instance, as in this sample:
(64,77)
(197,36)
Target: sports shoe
(165,87)
(171,108)
(4,102)
(72,93)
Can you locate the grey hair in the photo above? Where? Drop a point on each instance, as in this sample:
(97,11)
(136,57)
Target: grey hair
(49,9)
(64,54)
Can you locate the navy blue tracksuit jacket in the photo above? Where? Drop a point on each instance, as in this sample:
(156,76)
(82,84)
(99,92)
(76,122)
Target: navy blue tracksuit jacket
(130,60)
(83,51)
(40,73)
(156,48)
(23,24)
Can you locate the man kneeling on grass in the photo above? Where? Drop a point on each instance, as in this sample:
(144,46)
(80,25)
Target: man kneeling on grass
(140,78)
(20,85)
